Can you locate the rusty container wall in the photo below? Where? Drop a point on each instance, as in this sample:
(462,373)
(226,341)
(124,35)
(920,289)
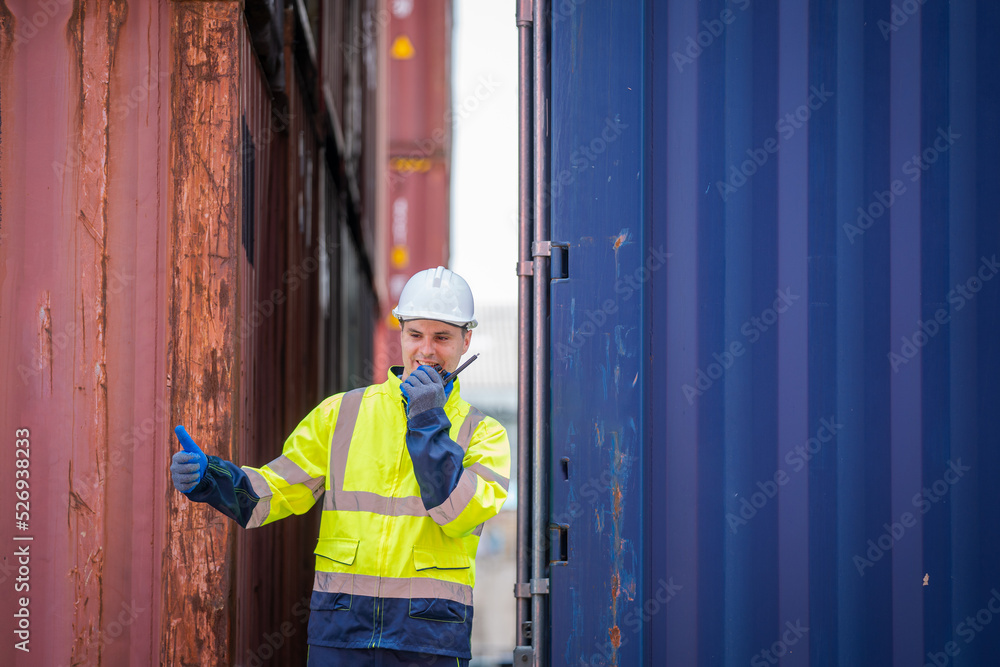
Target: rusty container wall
(83,301)
(204,218)
(295,348)
(277,576)
(263,335)
(155,203)
(416,228)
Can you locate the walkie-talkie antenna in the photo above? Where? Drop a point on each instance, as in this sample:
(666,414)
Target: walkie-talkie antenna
(448,377)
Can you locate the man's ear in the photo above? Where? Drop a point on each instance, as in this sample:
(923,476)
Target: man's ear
(468,339)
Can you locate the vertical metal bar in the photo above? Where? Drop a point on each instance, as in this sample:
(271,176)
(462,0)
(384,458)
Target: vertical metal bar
(540,390)
(525,319)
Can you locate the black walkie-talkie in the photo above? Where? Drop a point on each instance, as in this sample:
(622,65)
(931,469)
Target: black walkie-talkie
(448,377)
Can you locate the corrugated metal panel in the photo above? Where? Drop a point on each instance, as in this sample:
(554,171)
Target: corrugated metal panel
(83,128)
(773,359)
(269,582)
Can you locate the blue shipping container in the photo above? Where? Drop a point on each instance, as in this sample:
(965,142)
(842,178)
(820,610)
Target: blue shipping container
(774,352)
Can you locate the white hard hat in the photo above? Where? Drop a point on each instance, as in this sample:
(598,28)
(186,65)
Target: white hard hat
(437,294)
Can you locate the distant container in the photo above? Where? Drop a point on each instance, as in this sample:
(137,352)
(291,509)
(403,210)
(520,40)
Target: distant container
(415,233)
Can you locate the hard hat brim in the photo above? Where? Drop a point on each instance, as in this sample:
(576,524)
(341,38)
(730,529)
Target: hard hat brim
(416,315)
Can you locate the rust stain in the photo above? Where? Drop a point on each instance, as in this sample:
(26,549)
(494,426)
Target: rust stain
(618,543)
(45,353)
(616,638)
(210,383)
(618,242)
(223,295)
(76,502)
(88,225)
(7,38)
(203,236)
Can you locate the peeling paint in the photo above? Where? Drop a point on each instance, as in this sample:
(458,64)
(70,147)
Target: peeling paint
(7,27)
(203,238)
(92,34)
(623,238)
(45,352)
(620,468)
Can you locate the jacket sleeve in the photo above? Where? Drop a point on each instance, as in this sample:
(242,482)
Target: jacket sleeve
(228,489)
(460,490)
(290,484)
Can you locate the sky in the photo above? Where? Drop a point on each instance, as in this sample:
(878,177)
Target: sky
(484,157)
(484,198)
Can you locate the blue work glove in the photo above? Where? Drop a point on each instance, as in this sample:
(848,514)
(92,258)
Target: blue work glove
(187,467)
(424,390)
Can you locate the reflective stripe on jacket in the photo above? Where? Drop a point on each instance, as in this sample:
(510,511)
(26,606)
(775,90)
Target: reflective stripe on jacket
(395,559)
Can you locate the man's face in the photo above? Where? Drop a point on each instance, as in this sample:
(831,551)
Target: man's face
(429,342)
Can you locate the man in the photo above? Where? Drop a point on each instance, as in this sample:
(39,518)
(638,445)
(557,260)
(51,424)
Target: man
(408,471)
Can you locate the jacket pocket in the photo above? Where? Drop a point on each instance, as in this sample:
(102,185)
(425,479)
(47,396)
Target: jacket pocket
(343,550)
(334,591)
(428,599)
(441,559)
(442,611)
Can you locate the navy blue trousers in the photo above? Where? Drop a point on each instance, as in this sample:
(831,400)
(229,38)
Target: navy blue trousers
(322,656)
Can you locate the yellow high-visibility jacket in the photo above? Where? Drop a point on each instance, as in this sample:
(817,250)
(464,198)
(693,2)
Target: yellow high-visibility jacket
(404,502)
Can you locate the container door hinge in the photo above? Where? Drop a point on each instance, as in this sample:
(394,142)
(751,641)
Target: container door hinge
(525,12)
(523,656)
(522,590)
(558,254)
(540,586)
(526,268)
